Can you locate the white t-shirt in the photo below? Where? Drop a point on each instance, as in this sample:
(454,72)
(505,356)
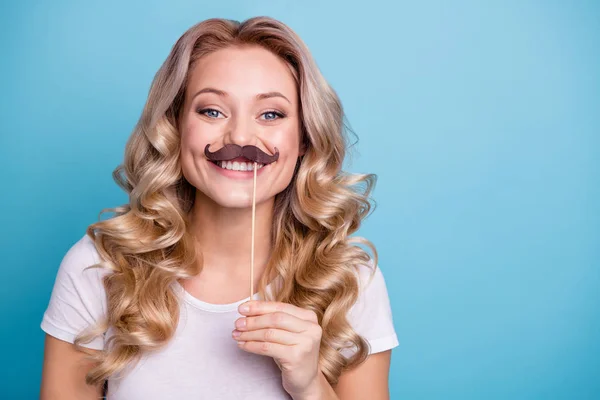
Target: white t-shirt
(201,361)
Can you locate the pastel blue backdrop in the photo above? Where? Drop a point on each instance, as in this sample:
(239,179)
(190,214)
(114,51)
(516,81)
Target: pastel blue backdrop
(481,120)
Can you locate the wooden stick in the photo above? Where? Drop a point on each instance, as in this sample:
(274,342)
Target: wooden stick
(252,249)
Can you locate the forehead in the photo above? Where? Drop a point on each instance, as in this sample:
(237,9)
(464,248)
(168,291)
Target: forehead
(243,72)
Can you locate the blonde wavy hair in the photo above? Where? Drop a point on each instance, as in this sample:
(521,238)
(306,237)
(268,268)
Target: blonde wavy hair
(147,245)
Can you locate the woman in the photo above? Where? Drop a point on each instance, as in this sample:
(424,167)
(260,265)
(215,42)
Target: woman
(158,314)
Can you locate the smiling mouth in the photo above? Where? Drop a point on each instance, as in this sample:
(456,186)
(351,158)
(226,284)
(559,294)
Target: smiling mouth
(238,164)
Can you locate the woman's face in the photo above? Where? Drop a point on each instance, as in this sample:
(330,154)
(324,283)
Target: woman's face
(249,97)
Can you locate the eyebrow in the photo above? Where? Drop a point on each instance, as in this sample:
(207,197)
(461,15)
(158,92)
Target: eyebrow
(260,96)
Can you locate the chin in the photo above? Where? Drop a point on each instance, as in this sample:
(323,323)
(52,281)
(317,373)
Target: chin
(239,204)
(232,201)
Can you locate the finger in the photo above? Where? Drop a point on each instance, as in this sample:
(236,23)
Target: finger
(279,320)
(275,350)
(268,335)
(258,307)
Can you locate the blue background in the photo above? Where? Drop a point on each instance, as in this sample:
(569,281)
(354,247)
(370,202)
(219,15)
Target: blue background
(481,120)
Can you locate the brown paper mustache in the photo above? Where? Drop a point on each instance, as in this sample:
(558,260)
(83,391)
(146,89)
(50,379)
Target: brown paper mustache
(231,151)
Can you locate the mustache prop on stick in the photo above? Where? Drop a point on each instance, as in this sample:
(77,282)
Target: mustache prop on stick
(231,151)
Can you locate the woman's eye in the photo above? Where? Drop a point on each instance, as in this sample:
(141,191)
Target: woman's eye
(272,115)
(210,112)
(268,115)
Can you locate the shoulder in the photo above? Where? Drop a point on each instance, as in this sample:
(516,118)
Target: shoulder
(79,264)
(78,298)
(372,287)
(81,254)
(371,315)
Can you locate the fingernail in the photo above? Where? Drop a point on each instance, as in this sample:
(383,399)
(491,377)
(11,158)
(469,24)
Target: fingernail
(240,323)
(236,333)
(244,308)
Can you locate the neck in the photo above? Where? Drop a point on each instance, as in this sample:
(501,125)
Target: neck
(224,237)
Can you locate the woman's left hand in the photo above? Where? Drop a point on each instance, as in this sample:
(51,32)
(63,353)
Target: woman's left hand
(289,334)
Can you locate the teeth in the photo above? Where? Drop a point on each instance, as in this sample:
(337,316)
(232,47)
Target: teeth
(239,166)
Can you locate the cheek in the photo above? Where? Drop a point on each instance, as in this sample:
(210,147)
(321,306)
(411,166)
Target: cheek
(193,140)
(286,139)
(287,166)
(190,140)
(191,149)
(187,167)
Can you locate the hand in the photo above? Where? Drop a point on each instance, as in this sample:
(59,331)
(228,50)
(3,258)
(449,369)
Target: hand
(289,334)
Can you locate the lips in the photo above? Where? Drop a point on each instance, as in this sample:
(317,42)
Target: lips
(238,165)
(230,173)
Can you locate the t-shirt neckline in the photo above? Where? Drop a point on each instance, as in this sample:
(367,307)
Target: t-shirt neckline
(203,305)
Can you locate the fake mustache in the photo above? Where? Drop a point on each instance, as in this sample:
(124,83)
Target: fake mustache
(231,151)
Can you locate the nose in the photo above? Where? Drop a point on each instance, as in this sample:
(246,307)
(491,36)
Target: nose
(240,132)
